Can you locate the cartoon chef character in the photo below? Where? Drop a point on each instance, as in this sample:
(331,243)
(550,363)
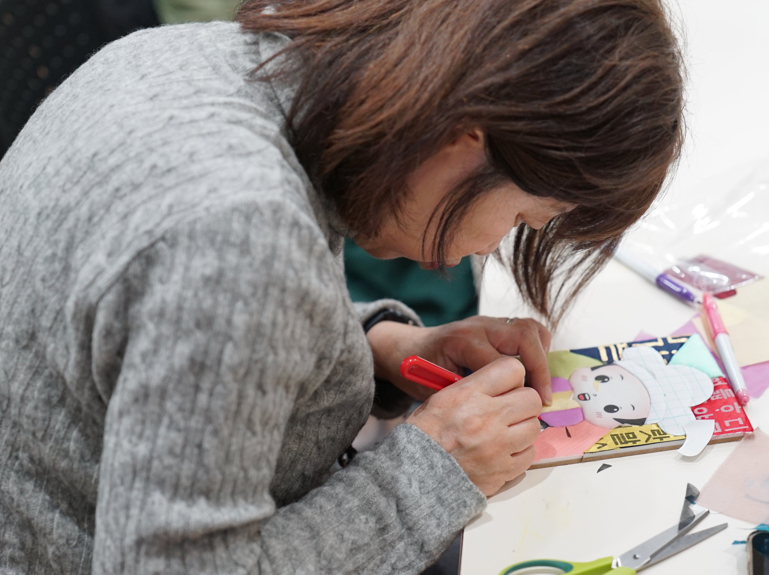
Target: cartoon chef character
(640,389)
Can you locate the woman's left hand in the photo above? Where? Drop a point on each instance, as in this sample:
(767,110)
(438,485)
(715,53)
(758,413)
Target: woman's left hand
(471,343)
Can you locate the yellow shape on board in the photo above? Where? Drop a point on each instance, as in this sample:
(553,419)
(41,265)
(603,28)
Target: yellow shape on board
(620,437)
(562,400)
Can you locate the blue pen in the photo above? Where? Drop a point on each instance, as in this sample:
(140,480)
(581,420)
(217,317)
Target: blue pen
(662,280)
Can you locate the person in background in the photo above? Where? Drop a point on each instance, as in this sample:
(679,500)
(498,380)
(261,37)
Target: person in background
(184,11)
(181,361)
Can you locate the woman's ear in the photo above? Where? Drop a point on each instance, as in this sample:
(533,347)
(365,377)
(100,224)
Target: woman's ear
(470,139)
(477,135)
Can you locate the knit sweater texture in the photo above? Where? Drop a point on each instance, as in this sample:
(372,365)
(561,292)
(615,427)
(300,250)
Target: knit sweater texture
(180,361)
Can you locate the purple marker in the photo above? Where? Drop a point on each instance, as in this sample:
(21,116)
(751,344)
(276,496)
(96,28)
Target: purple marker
(662,280)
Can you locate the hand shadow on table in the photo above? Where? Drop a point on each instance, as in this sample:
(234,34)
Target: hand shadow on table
(514,488)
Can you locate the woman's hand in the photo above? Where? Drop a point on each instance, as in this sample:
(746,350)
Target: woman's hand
(471,343)
(487,421)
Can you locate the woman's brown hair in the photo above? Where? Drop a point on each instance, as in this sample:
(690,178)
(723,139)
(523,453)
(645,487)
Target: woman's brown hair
(580,101)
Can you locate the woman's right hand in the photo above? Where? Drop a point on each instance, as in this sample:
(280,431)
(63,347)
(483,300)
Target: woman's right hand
(487,421)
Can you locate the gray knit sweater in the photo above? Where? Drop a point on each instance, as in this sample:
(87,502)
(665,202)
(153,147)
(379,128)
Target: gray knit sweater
(180,362)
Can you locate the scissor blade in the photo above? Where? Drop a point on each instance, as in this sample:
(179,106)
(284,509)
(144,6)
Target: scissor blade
(684,543)
(638,556)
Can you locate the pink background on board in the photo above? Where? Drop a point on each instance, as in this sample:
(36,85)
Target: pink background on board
(553,441)
(642,335)
(688,329)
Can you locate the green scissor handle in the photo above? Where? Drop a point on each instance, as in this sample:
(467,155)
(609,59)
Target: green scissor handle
(597,567)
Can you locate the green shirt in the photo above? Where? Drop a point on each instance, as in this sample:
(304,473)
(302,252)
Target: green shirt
(436,299)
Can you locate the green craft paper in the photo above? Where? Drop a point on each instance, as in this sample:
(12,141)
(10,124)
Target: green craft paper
(695,353)
(564,363)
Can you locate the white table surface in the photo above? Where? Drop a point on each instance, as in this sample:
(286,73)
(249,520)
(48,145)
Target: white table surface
(572,512)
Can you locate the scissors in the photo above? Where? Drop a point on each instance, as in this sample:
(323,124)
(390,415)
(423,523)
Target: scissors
(658,548)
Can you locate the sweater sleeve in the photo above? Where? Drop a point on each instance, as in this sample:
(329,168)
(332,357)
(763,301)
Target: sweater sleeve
(225,327)
(392,510)
(389,401)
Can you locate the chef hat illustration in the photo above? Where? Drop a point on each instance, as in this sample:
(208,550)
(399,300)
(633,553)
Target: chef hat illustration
(673,389)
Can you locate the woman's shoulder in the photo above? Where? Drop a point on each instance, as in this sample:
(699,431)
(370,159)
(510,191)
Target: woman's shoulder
(175,42)
(163,117)
(171,68)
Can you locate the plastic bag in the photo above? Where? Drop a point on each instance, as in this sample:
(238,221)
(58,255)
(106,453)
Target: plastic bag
(711,274)
(727,218)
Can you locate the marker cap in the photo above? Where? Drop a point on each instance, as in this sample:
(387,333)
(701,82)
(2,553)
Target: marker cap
(711,310)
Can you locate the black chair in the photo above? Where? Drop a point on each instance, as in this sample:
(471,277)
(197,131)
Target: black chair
(44,41)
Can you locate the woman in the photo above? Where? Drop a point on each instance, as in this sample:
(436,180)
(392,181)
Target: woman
(181,363)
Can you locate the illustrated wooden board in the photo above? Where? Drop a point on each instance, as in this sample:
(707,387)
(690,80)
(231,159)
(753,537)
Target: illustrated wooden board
(636,397)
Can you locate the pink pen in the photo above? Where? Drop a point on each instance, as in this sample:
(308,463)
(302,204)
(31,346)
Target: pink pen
(725,349)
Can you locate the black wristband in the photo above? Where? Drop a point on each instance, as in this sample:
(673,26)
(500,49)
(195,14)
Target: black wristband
(389,401)
(388,314)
